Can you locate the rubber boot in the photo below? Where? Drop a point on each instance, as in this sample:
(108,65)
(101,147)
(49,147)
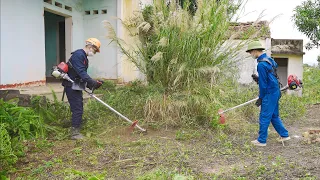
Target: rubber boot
(75,134)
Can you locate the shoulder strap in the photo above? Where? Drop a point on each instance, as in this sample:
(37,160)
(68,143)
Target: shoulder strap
(265,60)
(273,70)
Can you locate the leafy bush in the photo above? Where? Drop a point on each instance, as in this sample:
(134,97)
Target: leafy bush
(54,113)
(311,85)
(7,155)
(17,124)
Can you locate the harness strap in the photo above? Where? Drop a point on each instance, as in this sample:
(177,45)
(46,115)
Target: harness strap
(274,69)
(64,92)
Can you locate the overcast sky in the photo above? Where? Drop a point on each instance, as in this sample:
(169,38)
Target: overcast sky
(282,27)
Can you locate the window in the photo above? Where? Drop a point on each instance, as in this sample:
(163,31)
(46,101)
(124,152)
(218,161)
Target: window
(48,1)
(58,4)
(68,8)
(104,11)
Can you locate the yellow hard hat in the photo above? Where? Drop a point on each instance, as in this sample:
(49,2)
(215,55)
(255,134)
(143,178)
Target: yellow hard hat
(95,42)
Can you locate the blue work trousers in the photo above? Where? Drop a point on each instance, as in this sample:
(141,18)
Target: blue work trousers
(270,113)
(75,99)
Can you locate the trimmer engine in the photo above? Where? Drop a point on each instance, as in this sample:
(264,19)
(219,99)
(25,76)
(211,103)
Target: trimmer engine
(294,82)
(60,71)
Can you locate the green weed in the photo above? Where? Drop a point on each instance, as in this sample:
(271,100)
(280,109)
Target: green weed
(75,174)
(311,85)
(77,151)
(42,168)
(163,174)
(17,124)
(44,144)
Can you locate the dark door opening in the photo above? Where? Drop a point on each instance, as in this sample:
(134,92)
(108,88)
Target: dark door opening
(62,42)
(55,43)
(282,69)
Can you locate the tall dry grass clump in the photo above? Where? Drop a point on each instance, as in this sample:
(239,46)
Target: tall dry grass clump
(191,55)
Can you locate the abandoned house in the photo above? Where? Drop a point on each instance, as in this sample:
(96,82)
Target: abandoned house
(38,34)
(288,53)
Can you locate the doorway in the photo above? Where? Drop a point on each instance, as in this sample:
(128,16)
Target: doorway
(55,42)
(282,70)
(62,42)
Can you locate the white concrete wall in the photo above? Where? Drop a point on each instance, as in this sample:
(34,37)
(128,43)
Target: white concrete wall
(127,71)
(103,64)
(22,41)
(74,20)
(247,65)
(295,66)
(282,72)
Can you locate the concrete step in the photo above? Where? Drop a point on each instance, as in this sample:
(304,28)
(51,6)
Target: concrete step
(42,90)
(25,94)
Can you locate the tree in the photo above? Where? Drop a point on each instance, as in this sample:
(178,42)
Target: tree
(307,20)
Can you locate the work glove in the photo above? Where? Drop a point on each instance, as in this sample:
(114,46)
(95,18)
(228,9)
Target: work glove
(255,78)
(94,84)
(98,84)
(258,102)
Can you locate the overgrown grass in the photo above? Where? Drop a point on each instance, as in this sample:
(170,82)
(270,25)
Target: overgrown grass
(149,103)
(17,124)
(54,113)
(44,119)
(189,65)
(189,60)
(164,174)
(194,142)
(311,83)
(180,51)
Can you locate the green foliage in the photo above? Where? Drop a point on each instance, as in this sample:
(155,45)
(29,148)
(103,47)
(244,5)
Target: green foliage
(129,100)
(163,174)
(78,174)
(307,20)
(7,155)
(180,51)
(54,113)
(150,103)
(292,107)
(311,85)
(17,124)
(106,86)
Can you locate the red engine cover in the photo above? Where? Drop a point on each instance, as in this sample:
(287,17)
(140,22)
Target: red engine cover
(293,82)
(63,67)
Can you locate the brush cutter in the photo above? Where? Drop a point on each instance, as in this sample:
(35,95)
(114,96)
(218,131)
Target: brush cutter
(60,72)
(293,83)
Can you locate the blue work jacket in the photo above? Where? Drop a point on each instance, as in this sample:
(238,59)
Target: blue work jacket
(268,82)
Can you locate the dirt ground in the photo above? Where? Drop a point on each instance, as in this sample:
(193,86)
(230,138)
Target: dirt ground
(196,153)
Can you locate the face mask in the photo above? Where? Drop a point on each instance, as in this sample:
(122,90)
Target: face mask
(90,53)
(253,56)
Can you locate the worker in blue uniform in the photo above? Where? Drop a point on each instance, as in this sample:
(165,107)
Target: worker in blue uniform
(269,94)
(78,65)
